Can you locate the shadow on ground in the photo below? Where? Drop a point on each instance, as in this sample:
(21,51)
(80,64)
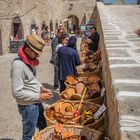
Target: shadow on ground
(56,96)
(48,86)
(6,139)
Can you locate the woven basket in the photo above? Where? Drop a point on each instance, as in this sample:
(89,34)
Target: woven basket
(56,105)
(69,85)
(75,105)
(98,123)
(48,121)
(85,74)
(98,100)
(89,134)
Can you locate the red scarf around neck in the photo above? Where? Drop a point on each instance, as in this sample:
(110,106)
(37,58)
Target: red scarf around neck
(25,59)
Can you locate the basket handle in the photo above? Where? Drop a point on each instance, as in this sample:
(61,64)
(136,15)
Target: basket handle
(82,97)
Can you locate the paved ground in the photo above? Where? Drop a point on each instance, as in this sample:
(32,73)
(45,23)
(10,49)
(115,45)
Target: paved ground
(10,120)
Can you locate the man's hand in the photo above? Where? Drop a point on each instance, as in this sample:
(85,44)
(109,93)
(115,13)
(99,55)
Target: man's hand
(45,94)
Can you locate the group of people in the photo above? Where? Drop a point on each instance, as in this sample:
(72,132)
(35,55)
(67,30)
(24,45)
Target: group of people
(44,33)
(64,57)
(27,90)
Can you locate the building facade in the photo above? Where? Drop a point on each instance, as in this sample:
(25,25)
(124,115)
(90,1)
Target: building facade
(18,17)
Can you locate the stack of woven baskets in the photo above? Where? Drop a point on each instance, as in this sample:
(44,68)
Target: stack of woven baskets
(79,114)
(90,63)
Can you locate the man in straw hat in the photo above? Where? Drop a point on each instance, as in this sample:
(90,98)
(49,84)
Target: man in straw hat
(26,89)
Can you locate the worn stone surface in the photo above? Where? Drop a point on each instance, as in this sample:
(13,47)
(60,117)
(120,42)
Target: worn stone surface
(122,61)
(121,68)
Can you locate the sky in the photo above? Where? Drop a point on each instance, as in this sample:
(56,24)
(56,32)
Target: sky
(127,1)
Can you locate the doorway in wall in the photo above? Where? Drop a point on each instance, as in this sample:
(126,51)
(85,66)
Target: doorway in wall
(17,29)
(73,23)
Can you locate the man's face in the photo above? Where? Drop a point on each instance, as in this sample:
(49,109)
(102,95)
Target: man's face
(93,30)
(31,54)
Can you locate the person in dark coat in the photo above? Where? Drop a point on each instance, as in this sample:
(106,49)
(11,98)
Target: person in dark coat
(93,40)
(68,60)
(63,41)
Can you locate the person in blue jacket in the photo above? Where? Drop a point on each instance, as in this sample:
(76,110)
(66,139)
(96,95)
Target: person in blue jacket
(68,60)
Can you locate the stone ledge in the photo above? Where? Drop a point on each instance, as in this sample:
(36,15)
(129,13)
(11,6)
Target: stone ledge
(121,69)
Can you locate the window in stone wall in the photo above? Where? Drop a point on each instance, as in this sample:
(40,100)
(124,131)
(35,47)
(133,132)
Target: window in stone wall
(73,23)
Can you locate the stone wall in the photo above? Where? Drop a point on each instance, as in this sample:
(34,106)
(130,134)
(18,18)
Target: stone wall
(28,11)
(80,7)
(38,11)
(121,65)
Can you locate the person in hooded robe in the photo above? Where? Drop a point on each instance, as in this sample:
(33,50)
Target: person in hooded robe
(68,60)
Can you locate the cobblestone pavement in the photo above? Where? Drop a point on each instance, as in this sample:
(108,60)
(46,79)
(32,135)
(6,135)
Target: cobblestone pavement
(10,120)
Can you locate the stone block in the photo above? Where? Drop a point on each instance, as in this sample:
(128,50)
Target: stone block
(118,53)
(117,42)
(124,46)
(131,72)
(137,44)
(127,135)
(122,61)
(112,32)
(111,37)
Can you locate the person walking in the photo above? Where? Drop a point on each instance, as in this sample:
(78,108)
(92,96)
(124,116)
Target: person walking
(54,44)
(63,41)
(68,60)
(45,34)
(26,89)
(93,40)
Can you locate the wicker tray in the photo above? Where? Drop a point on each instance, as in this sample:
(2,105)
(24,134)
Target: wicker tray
(89,134)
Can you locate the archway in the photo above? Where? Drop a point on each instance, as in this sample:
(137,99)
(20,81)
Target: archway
(1,43)
(17,28)
(73,23)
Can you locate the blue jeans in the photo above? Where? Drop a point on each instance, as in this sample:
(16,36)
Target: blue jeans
(31,118)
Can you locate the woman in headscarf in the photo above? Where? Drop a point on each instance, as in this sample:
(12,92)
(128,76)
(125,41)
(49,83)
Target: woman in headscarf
(72,42)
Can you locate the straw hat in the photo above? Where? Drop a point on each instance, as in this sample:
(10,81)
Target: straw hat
(36,43)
